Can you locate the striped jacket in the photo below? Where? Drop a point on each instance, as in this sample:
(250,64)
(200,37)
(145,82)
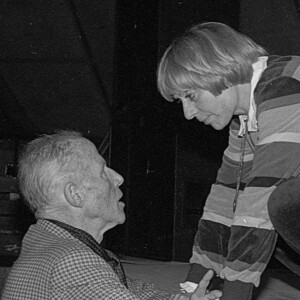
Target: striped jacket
(55,265)
(238,245)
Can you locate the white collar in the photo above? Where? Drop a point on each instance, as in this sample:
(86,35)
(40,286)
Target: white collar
(250,119)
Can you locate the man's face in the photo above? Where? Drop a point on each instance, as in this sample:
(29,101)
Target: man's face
(216,111)
(102,185)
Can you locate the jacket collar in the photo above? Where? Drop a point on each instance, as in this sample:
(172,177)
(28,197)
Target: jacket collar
(249,121)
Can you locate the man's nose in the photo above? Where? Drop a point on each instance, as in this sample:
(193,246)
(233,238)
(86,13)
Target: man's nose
(118,178)
(188,110)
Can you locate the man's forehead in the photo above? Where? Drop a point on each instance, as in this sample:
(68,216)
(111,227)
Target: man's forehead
(100,159)
(92,153)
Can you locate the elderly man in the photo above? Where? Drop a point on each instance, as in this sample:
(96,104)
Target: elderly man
(75,197)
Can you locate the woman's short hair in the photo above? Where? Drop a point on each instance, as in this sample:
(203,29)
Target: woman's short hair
(45,163)
(210,56)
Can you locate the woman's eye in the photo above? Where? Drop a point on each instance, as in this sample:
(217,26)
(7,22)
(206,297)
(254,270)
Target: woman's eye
(177,100)
(191,97)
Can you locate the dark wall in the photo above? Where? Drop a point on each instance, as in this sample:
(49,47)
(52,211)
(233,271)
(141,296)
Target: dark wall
(168,163)
(56,66)
(275,24)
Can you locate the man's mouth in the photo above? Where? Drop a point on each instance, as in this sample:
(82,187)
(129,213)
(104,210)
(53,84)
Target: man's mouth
(120,195)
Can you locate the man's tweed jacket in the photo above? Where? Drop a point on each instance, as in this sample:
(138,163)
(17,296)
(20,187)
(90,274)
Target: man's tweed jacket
(55,265)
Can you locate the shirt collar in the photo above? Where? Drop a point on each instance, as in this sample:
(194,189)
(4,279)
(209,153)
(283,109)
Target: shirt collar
(250,119)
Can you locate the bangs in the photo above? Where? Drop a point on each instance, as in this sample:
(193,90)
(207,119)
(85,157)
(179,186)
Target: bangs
(174,78)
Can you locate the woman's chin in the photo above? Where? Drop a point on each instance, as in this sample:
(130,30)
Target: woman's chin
(217,126)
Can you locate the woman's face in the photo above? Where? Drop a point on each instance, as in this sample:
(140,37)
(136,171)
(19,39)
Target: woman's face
(215,111)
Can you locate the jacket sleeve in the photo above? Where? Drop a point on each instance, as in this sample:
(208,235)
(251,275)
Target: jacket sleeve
(146,290)
(84,275)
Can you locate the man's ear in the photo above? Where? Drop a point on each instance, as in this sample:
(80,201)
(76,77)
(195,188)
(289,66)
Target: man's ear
(74,195)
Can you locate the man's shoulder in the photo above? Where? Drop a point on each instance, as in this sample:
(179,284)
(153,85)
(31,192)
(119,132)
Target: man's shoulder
(50,251)
(52,241)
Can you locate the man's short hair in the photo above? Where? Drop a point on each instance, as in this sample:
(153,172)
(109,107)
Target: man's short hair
(210,56)
(46,162)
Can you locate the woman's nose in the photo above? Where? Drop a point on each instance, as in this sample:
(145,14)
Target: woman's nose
(188,110)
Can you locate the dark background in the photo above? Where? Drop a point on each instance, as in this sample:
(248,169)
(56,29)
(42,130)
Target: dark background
(91,66)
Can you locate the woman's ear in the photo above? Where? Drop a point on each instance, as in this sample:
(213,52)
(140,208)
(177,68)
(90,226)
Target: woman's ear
(74,195)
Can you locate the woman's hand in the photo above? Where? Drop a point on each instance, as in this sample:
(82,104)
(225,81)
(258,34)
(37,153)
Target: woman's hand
(201,291)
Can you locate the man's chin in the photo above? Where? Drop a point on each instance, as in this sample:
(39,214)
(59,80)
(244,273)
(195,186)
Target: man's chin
(122,219)
(122,216)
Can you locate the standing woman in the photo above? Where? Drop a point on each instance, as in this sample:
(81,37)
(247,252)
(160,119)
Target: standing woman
(221,76)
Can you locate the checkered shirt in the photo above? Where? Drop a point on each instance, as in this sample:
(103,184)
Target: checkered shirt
(55,265)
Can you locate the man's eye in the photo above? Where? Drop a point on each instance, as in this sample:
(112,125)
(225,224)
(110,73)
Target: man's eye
(104,172)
